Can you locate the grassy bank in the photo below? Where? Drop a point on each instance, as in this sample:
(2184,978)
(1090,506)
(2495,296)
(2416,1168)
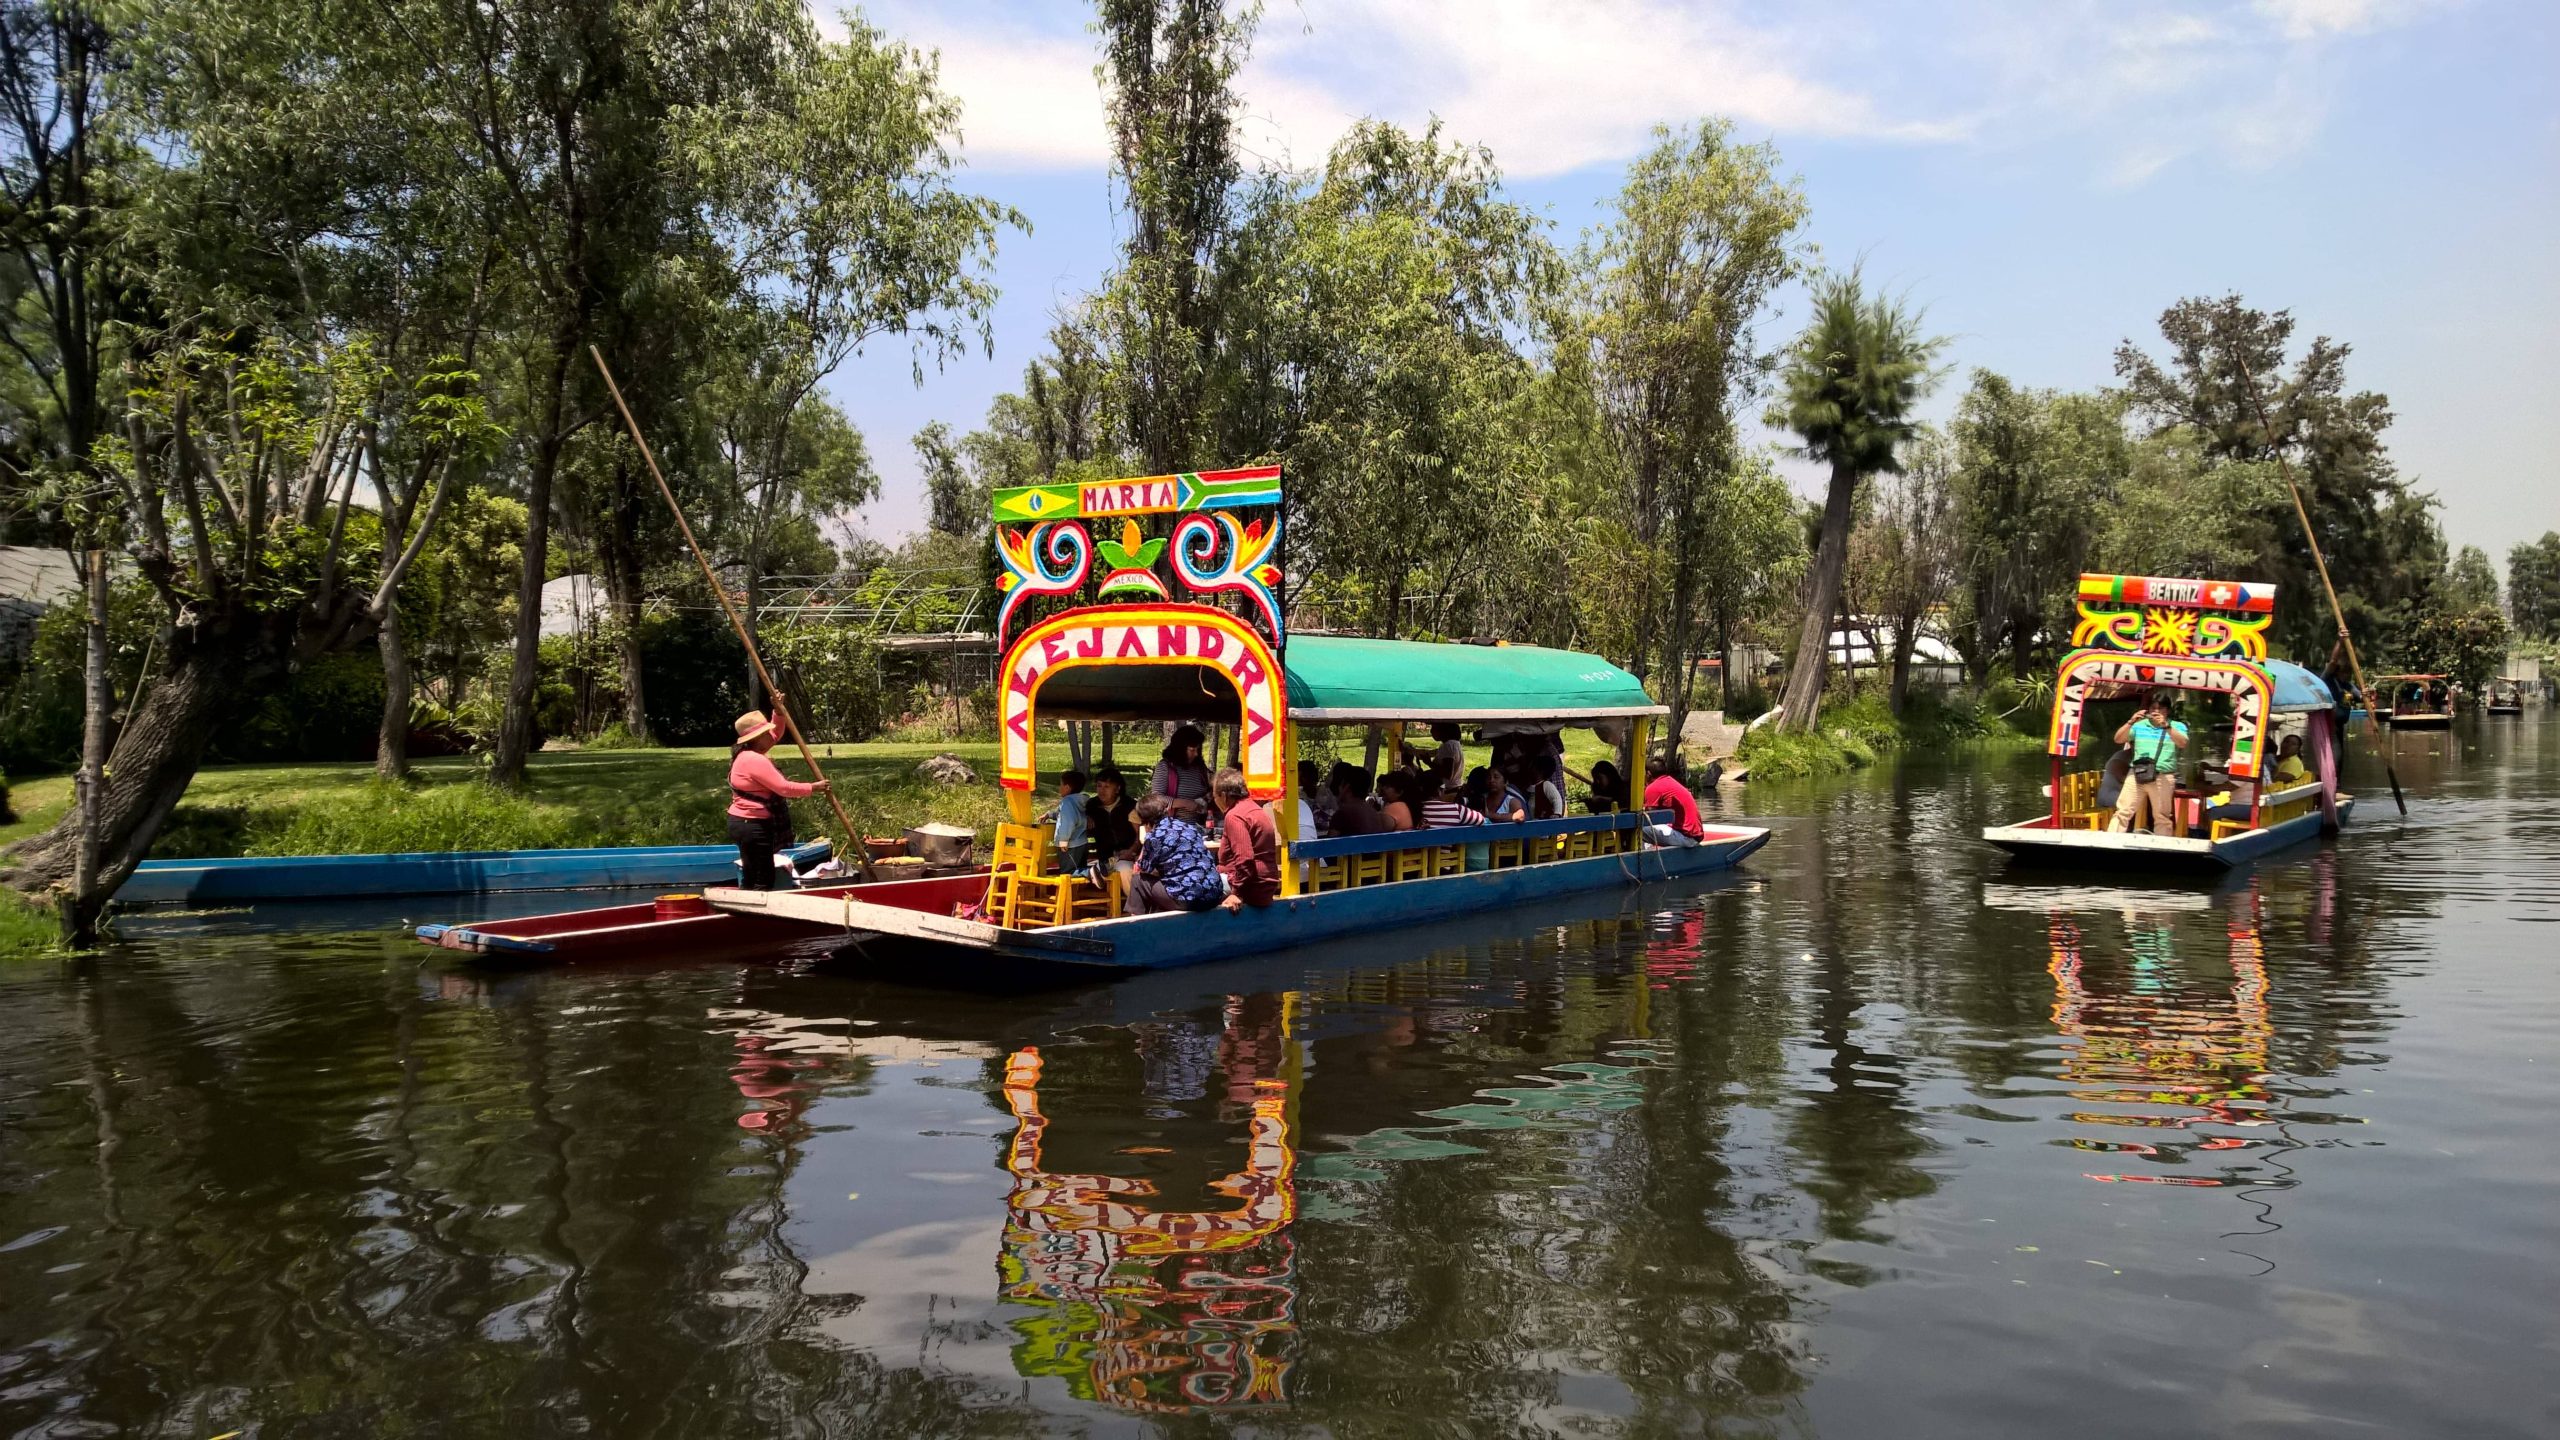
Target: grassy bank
(1860,732)
(593,797)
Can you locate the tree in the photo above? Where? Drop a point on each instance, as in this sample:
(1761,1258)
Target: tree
(848,228)
(1910,548)
(2471,582)
(1704,231)
(1166,71)
(2533,587)
(2037,474)
(1850,385)
(2219,353)
(956,506)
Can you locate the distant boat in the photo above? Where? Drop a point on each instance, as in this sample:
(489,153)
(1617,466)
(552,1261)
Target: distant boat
(2417,702)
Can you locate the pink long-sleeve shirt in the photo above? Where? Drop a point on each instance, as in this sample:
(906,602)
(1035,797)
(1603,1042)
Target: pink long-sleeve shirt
(754,772)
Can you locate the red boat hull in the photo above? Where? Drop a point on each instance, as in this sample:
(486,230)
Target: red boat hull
(638,931)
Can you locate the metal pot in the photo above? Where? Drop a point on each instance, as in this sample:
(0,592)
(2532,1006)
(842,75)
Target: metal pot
(939,844)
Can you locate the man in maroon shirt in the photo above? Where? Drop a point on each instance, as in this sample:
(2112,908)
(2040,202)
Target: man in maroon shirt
(1248,845)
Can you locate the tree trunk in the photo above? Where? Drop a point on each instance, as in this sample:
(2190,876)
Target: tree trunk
(88,901)
(1724,659)
(621,556)
(391,745)
(1803,696)
(1906,638)
(524,678)
(156,757)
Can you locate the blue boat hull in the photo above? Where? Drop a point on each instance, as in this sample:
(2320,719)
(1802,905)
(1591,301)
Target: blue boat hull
(1157,942)
(336,877)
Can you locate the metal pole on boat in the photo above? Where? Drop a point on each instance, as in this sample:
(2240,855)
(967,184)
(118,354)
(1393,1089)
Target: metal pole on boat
(853,833)
(2355,666)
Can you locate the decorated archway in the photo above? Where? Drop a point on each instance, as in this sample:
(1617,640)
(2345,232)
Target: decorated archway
(2109,671)
(1169,634)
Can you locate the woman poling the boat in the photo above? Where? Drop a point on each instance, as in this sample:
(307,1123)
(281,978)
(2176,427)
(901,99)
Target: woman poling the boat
(760,799)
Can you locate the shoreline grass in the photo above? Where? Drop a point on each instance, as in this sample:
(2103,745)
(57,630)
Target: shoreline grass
(1858,733)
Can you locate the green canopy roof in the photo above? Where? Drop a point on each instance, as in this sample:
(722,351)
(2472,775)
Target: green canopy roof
(1335,678)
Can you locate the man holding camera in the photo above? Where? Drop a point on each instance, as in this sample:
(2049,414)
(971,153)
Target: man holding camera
(2155,741)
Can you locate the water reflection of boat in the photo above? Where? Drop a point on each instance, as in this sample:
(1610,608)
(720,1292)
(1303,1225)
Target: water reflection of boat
(2184,1063)
(1160,1309)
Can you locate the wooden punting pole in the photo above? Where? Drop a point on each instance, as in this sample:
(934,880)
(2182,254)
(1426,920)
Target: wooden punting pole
(2355,666)
(853,834)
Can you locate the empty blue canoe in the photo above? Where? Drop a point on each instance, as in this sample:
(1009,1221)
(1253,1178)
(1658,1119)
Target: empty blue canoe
(467,872)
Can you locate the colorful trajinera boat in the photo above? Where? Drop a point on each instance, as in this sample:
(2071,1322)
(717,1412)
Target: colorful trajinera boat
(1122,646)
(2415,702)
(2137,634)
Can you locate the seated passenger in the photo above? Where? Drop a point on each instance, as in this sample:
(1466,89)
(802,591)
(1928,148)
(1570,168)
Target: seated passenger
(1352,812)
(1174,868)
(2289,767)
(2238,802)
(1070,836)
(1546,794)
(1666,791)
(1608,788)
(1395,801)
(1448,757)
(1182,775)
(1449,809)
(1110,832)
(1504,805)
(1248,846)
(1315,802)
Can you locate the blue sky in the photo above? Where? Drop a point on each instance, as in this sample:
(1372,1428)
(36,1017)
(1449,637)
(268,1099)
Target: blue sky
(2044,176)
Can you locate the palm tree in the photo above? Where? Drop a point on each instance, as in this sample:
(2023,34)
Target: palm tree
(1851,380)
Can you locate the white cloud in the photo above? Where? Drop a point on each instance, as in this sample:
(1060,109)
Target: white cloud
(1557,85)
(2308,19)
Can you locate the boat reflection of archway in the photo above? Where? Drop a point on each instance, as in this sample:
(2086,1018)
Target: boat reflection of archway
(1162,1310)
(2189,1065)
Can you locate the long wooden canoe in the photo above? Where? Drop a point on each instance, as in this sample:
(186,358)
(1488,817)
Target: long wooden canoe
(335,877)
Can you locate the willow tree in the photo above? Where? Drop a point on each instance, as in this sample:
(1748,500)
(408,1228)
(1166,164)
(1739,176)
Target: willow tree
(1678,278)
(1852,381)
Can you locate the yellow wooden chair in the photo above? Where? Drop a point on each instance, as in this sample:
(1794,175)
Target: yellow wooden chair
(1508,854)
(1022,856)
(1414,864)
(1375,869)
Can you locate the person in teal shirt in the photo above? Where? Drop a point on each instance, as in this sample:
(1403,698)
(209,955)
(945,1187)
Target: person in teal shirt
(2155,741)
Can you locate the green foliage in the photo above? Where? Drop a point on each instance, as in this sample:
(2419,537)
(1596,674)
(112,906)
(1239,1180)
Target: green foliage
(328,709)
(27,932)
(42,704)
(2447,637)
(2533,587)
(615,736)
(1863,729)
(1855,376)
(2222,360)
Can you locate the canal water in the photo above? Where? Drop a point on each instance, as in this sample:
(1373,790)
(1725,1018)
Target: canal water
(1875,1136)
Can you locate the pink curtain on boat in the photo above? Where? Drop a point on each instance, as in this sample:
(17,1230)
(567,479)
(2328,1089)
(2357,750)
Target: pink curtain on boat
(2323,744)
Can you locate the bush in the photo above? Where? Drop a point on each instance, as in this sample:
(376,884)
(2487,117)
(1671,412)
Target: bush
(8,812)
(617,736)
(692,668)
(329,709)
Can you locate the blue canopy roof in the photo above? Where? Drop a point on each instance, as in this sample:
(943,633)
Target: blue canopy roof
(2296,689)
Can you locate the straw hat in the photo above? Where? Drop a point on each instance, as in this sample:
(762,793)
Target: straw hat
(753,726)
